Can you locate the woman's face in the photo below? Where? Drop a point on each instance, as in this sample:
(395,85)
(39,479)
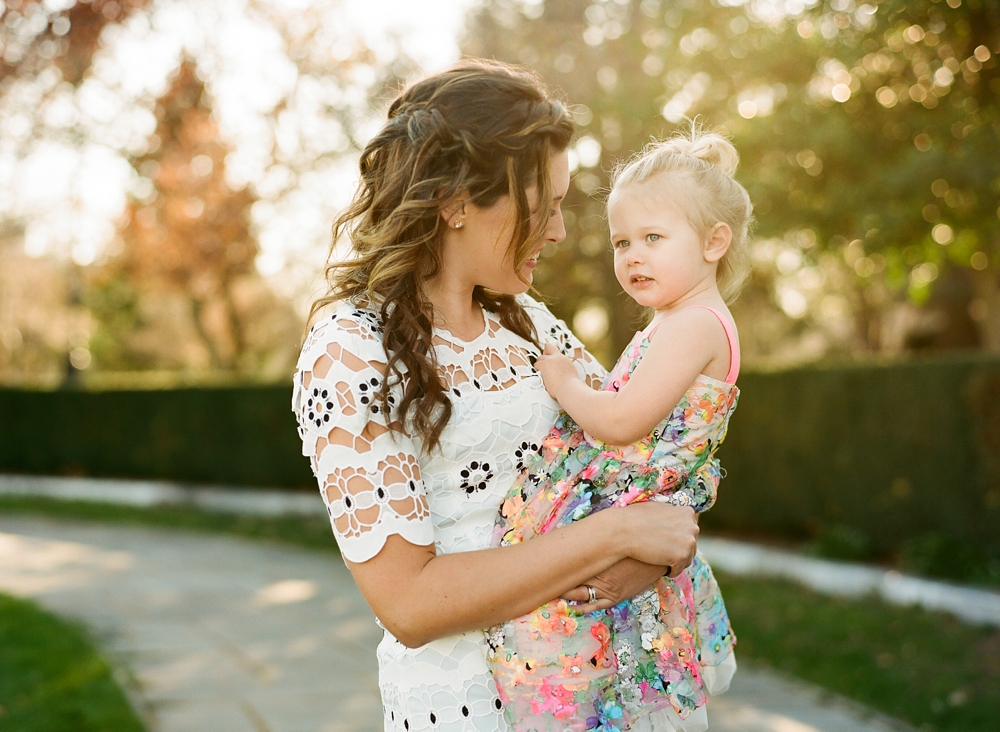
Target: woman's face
(481,248)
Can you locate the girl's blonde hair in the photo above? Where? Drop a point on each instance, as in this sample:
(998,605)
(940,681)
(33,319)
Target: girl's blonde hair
(698,167)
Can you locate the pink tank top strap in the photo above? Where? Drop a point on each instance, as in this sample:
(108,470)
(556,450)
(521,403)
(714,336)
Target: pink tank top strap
(734,346)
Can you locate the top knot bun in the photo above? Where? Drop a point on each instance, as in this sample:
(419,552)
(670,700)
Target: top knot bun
(711,147)
(694,171)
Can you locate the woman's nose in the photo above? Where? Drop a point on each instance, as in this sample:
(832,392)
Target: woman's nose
(556,230)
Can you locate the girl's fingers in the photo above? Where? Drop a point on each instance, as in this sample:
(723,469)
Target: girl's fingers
(550,349)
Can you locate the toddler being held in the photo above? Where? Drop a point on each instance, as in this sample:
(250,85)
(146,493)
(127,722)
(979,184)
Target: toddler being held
(679,223)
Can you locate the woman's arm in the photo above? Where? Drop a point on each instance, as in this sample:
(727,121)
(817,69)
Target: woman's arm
(682,348)
(420,596)
(370,478)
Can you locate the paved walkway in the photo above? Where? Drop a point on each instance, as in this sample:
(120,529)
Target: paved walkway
(226,635)
(845,578)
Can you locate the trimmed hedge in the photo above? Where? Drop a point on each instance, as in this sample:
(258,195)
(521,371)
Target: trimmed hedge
(885,454)
(878,455)
(230,435)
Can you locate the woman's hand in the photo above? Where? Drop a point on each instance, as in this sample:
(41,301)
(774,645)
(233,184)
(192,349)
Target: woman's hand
(660,534)
(624,580)
(555,368)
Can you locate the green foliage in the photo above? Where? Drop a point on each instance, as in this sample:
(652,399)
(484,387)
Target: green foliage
(230,435)
(52,679)
(928,668)
(868,123)
(869,459)
(938,555)
(842,542)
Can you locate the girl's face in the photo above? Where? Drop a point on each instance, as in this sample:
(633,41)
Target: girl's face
(659,257)
(483,247)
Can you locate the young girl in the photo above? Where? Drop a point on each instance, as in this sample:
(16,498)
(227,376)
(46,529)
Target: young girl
(678,225)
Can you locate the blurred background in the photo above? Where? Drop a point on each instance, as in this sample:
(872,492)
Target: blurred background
(169,171)
(170,168)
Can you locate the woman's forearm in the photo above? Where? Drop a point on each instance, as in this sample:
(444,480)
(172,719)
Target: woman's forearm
(420,597)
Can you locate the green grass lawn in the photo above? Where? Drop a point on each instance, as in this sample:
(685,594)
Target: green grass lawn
(927,668)
(52,679)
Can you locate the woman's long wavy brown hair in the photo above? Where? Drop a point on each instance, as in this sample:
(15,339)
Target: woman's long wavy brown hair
(481,127)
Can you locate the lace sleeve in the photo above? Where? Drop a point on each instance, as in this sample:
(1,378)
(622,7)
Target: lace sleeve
(367,474)
(552,330)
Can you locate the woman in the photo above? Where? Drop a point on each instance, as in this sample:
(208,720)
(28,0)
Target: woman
(416,396)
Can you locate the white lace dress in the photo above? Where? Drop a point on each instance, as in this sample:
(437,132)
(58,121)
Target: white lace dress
(376,483)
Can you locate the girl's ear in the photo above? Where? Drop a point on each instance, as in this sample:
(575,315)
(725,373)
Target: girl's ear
(453,212)
(717,243)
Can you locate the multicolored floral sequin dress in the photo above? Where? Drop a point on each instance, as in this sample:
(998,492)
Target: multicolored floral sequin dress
(649,661)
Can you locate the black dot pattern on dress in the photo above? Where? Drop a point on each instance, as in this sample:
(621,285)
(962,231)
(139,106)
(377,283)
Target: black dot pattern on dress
(465,711)
(367,391)
(562,338)
(319,406)
(523,454)
(476,476)
(368,317)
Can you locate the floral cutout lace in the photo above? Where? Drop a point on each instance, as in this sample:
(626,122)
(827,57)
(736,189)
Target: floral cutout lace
(377,482)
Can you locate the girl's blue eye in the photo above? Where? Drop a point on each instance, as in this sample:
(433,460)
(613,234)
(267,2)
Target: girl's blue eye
(653,237)
(621,244)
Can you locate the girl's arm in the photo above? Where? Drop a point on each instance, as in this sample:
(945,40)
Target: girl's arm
(420,596)
(682,348)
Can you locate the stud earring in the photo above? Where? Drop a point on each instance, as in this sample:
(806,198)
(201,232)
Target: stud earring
(459,224)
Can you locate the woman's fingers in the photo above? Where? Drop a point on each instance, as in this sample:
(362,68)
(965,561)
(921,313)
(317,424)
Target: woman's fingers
(588,607)
(579,599)
(550,349)
(577,594)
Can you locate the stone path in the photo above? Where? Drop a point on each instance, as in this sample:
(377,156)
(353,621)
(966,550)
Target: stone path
(226,635)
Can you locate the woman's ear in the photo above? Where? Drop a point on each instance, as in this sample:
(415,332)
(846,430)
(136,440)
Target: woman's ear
(717,243)
(453,212)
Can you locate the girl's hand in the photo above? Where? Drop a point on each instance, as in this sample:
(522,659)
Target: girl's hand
(624,580)
(555,368)
(660,534)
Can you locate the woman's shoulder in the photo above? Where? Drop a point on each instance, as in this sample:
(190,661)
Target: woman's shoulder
(352,326)
(548,327)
